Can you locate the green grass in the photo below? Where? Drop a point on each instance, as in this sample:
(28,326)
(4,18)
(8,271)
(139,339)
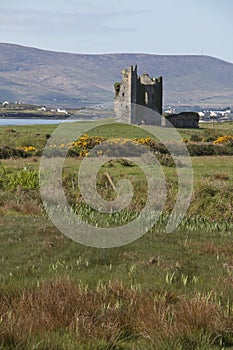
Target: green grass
(32,250)
(226,126)
(36,135)
(163,291)
(186,266)
(223,128)
(208,167)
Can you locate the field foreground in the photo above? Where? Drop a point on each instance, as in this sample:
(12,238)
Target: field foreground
(163,291)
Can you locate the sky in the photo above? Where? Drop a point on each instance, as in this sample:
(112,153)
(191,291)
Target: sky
(108,26)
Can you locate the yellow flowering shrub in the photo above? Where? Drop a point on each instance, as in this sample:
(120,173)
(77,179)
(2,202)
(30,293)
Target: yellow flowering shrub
(85,143)
(223,139)
(144,141)
(27,149)
(83,153)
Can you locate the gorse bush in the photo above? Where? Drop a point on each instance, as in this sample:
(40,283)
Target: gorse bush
(224,139)
(114,147)
(197,149)
(27,149)
(195,138)
(84,144)
(99,145)
(8,152)
(210,135)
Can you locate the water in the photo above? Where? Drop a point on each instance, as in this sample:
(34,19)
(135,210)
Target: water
(14,121)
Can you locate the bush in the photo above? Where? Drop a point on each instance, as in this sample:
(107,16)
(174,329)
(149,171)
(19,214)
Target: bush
(213,199)
(210,135)
(227,139)
(8,152)
(209,150)
(195,138)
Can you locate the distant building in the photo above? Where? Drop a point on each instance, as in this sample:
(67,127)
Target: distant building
(5,104)
(221,113)
(170,111)
(137,90)
(213,114)
(43,109)
(61,110)
(184,120)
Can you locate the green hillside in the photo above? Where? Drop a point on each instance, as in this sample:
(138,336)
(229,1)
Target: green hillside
(45,77)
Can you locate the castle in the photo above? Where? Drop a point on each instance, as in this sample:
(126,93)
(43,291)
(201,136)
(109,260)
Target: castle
(135,91)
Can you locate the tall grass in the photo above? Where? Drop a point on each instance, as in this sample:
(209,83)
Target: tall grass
(112,315)
(212,198)
(164,291)
(25,178)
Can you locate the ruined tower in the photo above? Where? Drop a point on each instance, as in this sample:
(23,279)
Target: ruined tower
(136,90)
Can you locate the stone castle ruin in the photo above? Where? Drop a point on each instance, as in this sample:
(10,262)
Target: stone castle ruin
(135,91)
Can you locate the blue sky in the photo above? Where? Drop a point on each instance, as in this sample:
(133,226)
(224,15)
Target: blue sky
(106,26)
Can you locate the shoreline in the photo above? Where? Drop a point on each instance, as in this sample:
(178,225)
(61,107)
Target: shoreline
(49,117)
(22,115)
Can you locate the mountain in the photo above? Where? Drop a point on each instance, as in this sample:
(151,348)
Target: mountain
(67,79)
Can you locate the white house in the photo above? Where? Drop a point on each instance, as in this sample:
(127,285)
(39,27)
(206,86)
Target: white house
(43,109)
(60,110)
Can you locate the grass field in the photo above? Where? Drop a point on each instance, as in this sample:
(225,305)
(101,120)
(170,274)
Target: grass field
(163,291)
(37,135)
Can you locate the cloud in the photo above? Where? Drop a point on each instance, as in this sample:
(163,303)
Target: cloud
(54,23)
(51,5)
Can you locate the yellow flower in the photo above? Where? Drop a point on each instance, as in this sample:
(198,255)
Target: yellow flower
(223,139)
(83,153)
(27,148)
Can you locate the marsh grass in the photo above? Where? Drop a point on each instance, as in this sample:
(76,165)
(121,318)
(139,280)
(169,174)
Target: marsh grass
(163,291)
(158,291)
(113,315)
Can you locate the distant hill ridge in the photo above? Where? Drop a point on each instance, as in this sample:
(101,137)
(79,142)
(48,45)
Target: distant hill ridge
(56,78)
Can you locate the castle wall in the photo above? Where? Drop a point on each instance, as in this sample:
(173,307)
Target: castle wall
(159,94)
(126,95)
